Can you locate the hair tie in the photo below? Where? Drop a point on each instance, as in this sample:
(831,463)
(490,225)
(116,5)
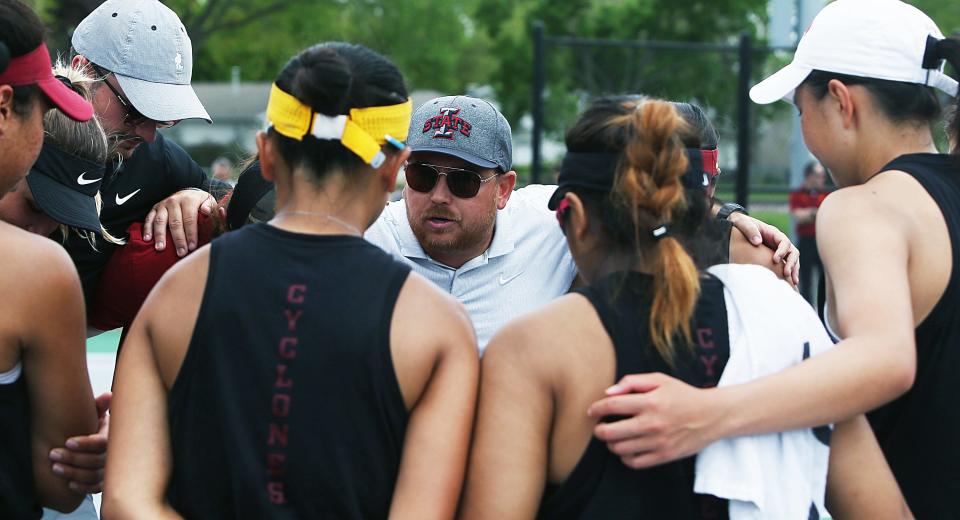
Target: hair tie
(659,232)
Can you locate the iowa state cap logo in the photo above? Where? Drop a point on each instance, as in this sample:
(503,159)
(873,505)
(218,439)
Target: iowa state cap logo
(447,124)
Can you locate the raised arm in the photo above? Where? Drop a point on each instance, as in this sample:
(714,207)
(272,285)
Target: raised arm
(509,457)
(743,252)
(874,364)
(758,233)
(55,369)
(437,367)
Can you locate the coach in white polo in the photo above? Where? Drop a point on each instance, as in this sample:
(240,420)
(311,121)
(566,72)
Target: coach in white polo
(498,251)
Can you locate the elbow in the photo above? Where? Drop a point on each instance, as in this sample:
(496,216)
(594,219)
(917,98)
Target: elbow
(112,508)
(903,378)
(902,372)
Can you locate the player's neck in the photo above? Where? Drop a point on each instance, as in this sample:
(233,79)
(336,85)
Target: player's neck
(883,147)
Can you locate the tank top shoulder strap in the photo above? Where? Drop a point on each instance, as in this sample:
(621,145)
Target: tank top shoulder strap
(939,174)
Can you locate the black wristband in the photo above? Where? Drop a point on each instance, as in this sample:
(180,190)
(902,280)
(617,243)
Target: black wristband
(730,208)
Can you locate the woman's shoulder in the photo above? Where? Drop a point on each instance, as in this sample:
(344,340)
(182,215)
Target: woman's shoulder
(547,338)
(33,259)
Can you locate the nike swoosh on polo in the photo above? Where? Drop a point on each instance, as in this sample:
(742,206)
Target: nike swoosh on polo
(121,200)
(83,182)
(504,280)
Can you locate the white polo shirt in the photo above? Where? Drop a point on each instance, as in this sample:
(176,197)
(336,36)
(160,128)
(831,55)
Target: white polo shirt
(527,264)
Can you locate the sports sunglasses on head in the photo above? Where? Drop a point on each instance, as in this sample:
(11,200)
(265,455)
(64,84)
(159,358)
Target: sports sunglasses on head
(464,184)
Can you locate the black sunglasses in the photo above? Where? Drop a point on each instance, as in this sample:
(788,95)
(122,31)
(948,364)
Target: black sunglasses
(133,117)
(464,184)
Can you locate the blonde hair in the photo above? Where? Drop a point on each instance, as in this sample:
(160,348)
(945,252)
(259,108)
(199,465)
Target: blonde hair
(86,140)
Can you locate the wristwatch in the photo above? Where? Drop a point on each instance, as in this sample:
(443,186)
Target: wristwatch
(730,208)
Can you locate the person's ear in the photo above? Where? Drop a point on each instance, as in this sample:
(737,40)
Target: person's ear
(6,106)
(843,101)
(505,183)
(81,63)
(390,168)
(267,156)
(577,221)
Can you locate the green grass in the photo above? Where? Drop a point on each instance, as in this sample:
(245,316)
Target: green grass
(769,198)
(778,219)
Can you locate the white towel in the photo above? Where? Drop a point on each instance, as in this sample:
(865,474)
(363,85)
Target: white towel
(782,475)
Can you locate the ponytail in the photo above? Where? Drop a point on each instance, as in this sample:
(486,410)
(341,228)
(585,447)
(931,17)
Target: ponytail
(649,184)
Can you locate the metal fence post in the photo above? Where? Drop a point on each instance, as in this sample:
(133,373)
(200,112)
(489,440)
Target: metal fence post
(538,85)
(743,119)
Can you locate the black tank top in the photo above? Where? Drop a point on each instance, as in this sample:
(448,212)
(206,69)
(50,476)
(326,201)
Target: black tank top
(18,499)
(600,486)
(920,431)
(287,404)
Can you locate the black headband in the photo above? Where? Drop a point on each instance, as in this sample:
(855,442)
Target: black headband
(594,166)
(4,57)
(598,170)
(74,172)
(695,176)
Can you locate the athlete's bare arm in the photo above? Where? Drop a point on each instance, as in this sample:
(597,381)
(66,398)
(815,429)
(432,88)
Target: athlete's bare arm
(864,242)
(509,456)
(538,375)
(139,457)
(435,358)
(743,252)
(46,321)
(757,232)
(859,482)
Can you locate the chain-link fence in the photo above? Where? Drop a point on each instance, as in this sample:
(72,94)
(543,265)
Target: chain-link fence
(570,71)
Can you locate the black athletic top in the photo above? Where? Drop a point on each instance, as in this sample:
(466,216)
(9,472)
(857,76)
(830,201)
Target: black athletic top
(287,404)
(154,172)
(600,486)
(18,498)
(919,432)
(252,195)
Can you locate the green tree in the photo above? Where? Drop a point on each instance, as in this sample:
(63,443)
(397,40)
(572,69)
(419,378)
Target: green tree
(575,74)
(436,44)
(433,43)
(944,12)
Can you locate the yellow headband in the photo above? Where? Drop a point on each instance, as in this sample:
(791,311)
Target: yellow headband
(362,132)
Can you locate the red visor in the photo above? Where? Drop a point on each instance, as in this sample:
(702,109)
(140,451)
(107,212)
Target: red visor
(711,161)
(33,68)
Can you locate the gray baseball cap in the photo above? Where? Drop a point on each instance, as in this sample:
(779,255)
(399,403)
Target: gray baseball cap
(465,127)
(146,46)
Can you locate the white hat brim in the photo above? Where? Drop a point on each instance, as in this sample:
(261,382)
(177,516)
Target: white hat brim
(781,85)
(163,101)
